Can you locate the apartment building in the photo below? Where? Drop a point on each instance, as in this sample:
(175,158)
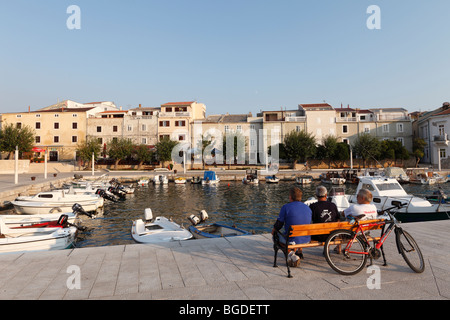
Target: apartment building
(433,127)
(320,119)
(176,118)
(384,123)
(58,128)
(140,125)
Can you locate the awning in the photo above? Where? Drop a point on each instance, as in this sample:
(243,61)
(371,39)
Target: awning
(37,149)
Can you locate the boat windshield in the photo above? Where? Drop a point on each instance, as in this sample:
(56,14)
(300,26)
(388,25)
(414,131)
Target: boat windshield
(388,186)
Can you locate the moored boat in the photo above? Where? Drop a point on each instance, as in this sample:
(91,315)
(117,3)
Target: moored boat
(214,230)
(304,180)
(272,179)
(210,177)
(157,230)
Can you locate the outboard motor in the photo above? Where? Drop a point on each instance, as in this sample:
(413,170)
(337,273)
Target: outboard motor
(203,216)
(194,219)
(77,208)
(102,193)
(148,214)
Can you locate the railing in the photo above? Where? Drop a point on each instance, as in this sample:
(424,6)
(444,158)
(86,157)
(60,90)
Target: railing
(346,119)
(174,114)
(442,137)
(295,119)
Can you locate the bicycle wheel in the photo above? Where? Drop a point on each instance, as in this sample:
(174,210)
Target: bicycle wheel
(410,250)
(344,254)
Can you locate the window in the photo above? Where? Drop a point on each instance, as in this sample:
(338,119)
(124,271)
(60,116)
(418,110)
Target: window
(399,127)
(19,125)
(74,125)
(345,141)
(400,140)
(144,141)
(227,128)
(56,125)
(239,128)
(441,130)
(56,139)
(366,129)
(344,128)
(115,128)
(37,139)
(38,115)
(100,140)
(18,116)
(443,153)
(74,139)
(74,115)
(144,127)
(129,128)
(99,129)
(181,137)
(38,125)
(385,128)
(180,123)
(168,109)
(56,115)
(164,123)
(298,128)
(164,136)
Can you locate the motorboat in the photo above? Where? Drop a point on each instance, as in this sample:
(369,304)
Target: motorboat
(332,177)
(127,189)
(157,230)
(251,177)
(160,179)
(196,180)
(35,238)
(351,175)
(272,179)
(180,180)
(396,173)
(440,178)
(387,192)
(337,196)
(210,177)
(303,180)
(56,201)
(143,182)
(424,178)
(41,220)
(214,230)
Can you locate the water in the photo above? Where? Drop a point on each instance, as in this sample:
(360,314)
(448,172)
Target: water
(250,207)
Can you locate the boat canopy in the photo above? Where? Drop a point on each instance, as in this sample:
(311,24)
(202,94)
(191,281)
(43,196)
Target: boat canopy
(209,175)
(381,186)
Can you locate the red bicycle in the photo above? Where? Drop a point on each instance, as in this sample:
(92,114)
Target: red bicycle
(347,251)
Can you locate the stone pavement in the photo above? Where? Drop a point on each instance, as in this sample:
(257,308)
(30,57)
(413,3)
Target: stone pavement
(238,268)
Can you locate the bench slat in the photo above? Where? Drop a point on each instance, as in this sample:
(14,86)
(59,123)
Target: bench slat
(327,228)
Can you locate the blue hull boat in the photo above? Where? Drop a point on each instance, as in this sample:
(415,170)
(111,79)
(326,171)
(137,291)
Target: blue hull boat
(216,230)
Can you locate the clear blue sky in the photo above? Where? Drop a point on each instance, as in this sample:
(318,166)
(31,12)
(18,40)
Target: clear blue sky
(235,56)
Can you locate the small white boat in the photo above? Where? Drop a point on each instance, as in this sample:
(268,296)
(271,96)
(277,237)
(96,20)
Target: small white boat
(55,201)
(180,180)
(16,220)
(196,180)
(214,230)
(332,177)
(160,179)
(143,182)
(157,230)
(25,239)
(272,179)
(251,177)
(304,179)
(210,177)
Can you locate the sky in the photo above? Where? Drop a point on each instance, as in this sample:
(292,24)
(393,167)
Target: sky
(235,56)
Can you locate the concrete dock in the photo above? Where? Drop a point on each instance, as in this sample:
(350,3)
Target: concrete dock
(238,268)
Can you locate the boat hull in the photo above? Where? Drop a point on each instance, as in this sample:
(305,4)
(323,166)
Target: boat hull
(30,207)
(57,240)
(158,231)
(216,231)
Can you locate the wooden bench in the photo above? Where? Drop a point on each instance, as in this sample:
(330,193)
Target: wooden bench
(313,230)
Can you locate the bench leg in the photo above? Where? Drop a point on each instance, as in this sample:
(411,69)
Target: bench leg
(275,248)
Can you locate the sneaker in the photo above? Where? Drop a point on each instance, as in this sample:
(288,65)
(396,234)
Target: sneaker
(293,260)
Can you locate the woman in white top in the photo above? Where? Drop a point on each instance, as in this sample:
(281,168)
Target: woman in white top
(364,206)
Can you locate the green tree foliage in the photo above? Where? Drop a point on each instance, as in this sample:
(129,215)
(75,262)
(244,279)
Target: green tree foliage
(236,141)
(366,147)
(87,147)
(299,146)
(390,149)
(119,149)
(11,136)
(143,154)
(419,149)
(164,149)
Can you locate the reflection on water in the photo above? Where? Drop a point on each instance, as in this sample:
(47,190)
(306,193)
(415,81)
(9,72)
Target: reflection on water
(250,207)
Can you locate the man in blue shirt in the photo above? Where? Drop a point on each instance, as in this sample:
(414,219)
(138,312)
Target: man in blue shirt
(293,213)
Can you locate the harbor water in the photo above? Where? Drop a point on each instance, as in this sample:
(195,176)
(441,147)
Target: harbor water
(250,207)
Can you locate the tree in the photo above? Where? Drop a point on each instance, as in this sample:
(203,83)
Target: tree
(238,142)
(11,136)
(329,148)
(419,149)
(143,154)
(164,149)
(299,146)
(120,149)
(391,149)
(87,147)
(366,146)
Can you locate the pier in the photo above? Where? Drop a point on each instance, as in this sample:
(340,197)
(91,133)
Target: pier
(239,268)
(222,269)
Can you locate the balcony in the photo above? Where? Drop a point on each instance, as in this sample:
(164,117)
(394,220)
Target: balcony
(441,139)
(295,119)
(174,114)
(346,119)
